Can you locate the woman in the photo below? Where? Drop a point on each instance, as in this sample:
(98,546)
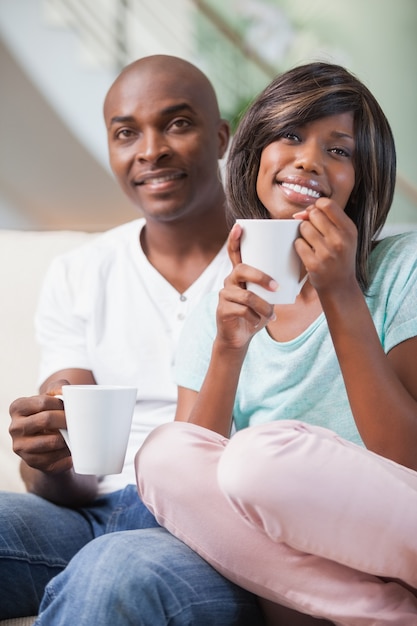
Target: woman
(315,506)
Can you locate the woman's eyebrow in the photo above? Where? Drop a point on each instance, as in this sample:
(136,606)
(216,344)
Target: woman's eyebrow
(338,134)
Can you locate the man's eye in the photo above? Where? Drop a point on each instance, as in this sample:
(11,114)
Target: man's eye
(180,123)
(124,133)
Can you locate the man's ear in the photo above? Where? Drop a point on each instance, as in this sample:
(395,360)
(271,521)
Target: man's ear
(223,133)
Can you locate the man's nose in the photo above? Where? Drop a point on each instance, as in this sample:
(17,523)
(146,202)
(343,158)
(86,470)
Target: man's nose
(152,146)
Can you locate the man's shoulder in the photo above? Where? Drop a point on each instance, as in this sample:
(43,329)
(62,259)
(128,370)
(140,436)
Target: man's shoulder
(117,237)
(96,257)
(105,245)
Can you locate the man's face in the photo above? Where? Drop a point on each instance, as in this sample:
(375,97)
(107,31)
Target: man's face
(164,143)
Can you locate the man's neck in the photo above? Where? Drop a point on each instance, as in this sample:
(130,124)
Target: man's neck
(181,251)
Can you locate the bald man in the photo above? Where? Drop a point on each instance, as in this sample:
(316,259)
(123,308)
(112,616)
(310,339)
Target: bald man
(111,312)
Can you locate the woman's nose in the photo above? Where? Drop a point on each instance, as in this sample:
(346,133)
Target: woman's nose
(309,157)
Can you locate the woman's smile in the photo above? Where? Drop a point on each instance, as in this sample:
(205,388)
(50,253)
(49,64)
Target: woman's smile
(307,163)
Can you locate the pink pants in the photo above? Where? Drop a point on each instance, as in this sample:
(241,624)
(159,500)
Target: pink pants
(292,513)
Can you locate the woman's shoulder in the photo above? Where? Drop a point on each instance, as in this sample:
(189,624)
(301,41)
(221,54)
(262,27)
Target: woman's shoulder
(409,236)
(394,260)
(400,245)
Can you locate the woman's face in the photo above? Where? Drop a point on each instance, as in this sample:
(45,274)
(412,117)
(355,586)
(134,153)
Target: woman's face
(308,162)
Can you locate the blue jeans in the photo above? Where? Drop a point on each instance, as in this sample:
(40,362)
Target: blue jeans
(95,574)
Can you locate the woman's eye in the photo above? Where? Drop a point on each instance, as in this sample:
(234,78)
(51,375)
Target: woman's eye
(291,136)
(341,152)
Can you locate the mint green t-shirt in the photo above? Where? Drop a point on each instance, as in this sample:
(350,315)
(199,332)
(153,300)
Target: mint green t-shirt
(301,379)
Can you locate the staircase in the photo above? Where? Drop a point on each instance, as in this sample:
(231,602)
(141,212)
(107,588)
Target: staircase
(58,58)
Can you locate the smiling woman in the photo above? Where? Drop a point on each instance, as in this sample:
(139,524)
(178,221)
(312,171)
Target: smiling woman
(310,162)
(363,145)
(312,504)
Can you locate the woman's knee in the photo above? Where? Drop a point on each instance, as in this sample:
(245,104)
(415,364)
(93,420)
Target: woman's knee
(265,456)
(172,453)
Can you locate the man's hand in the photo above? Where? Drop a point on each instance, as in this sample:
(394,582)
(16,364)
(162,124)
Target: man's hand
(46,466)
(35,431)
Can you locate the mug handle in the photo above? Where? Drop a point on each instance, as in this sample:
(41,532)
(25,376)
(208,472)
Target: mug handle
(300,285)
(63,431)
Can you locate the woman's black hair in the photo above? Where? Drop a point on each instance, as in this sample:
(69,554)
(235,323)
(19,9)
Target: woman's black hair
(295,98)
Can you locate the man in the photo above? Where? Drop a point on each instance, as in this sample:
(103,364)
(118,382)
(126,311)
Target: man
(111,312)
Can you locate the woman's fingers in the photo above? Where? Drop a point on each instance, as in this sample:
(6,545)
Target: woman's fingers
(233,245)
(327,243)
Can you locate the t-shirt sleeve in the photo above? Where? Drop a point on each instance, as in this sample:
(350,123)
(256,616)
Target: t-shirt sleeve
(60,328)
(396,282)
(195,344)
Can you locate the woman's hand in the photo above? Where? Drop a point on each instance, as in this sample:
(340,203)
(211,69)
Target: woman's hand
(240,313)
(327,246)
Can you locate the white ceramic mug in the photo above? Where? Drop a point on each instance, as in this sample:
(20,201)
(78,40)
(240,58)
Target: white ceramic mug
(99,419)
(268,245)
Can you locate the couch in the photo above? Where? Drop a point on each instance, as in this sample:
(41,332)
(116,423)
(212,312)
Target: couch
(24,257)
